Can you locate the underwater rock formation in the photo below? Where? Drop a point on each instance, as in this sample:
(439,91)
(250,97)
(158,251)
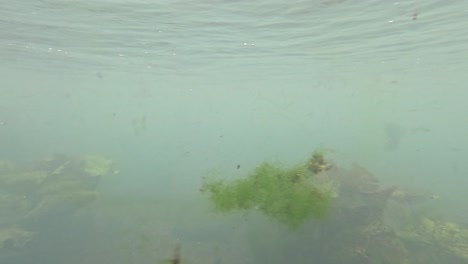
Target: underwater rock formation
(365,222)
(47,192)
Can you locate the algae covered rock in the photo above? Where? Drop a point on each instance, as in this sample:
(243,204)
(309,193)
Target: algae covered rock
(22,180)
(41,194)
(95,165)
(14,239)
(438,234)
(317,163)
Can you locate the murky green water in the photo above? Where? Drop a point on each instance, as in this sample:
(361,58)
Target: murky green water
(175,90)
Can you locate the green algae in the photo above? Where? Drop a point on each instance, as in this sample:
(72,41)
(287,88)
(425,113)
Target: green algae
(287,194)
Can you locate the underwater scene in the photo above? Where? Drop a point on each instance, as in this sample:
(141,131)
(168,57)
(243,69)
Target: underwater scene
(233,132)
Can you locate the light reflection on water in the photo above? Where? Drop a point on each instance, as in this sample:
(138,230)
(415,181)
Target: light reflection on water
(145,36)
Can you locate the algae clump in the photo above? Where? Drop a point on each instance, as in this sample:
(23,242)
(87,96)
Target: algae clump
(287,194)
(95,165)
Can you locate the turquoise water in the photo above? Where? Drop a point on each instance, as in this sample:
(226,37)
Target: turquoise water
(172,90)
